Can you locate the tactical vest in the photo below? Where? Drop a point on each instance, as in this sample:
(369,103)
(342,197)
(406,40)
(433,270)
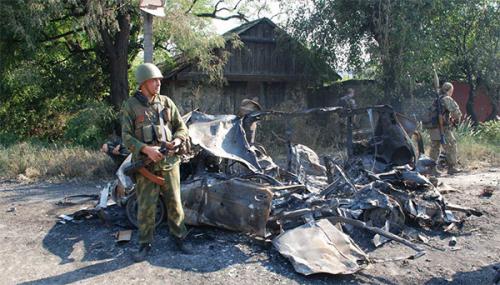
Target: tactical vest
(431,119)
(147,127)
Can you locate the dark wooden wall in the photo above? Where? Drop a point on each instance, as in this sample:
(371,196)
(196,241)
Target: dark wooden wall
(268,94)
(270,67)
(265,56)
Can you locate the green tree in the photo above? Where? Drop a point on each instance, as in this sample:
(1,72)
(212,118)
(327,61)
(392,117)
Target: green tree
(401,39)
(58,56)
(45,71)
(467,34)
(356,33)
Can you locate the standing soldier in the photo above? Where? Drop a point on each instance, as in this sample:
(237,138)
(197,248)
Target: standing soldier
(248,106)
(148,121)
(450,113)
(347,101)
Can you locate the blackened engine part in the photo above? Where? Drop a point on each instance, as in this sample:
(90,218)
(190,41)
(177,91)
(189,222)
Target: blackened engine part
(396,147)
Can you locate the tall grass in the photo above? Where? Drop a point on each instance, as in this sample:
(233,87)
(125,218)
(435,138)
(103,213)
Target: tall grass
(33,161)
(478,146)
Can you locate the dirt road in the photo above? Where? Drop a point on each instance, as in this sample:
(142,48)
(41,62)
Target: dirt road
(37,250)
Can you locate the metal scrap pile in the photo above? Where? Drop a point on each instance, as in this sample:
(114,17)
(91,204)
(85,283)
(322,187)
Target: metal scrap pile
(300,208)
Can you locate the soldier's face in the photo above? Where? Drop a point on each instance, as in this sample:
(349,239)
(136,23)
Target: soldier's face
(152,86)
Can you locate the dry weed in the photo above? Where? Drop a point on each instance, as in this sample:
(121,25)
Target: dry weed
(34,162)
(476,155)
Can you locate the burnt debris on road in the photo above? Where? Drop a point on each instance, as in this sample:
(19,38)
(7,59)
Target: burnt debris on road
(307,209)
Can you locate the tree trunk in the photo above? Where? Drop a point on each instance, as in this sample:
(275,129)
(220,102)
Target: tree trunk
(116,51)
(494,112)
(493,95)
(470,99)
(119,81)
(391,89)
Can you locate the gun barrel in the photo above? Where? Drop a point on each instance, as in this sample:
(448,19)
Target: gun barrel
(134,167)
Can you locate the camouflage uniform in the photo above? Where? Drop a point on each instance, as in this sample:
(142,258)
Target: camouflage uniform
(248,106)
(450,109)
(140,127)
(348,102)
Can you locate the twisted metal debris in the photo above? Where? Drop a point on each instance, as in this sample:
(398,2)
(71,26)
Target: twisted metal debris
(306,209)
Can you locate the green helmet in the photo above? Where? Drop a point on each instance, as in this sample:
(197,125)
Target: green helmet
(147,71)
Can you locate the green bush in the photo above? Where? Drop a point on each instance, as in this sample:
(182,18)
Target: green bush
(7,139)
(489,131)
(466,129)
(91,125)
(477,145)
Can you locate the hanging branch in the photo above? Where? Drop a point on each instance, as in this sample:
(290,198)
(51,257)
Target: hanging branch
(214,13)
(53,38)
(191,7)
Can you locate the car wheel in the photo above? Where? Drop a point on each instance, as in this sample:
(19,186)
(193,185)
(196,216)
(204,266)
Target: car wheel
(131,209)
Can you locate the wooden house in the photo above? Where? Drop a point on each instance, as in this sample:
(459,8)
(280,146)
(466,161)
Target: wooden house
(270,67)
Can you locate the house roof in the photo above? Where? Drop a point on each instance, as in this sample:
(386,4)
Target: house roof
(181,63)
(247,26)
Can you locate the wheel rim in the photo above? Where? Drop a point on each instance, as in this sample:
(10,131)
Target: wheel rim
(131,209)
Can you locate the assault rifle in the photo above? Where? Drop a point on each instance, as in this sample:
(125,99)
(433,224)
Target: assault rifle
(439,109)
(135,166)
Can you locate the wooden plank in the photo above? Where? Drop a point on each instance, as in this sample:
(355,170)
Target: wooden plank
(260,40)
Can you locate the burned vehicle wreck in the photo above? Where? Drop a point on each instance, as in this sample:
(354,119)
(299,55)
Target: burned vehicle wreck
(308,207)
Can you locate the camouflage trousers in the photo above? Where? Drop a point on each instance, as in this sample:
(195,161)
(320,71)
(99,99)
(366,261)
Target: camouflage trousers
(147,199)
(450,147)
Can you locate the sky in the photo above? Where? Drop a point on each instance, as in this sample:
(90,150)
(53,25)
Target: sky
(273,10)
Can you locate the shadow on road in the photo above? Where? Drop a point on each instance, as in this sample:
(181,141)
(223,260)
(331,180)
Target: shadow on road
(93,241)
(484,275)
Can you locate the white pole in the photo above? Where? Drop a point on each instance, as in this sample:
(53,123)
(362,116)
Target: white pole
(148,37)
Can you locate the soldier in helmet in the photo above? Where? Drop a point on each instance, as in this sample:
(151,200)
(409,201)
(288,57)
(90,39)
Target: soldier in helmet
(451,113)
(149,120)
(248,106)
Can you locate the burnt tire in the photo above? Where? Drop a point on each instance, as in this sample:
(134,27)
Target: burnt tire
(131,209)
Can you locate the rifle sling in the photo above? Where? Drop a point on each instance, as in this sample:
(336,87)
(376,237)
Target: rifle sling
(162,125)
(143,171)
(151,177)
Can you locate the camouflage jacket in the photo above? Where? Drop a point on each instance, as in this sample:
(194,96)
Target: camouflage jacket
(450,109)
(348,102)
(141,126)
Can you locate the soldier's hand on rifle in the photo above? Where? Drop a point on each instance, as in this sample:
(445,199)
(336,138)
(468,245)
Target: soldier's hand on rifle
(172,146)
(153,153)
(116,150)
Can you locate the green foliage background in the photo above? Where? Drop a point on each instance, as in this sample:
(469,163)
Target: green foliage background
(91,125)
(55,75)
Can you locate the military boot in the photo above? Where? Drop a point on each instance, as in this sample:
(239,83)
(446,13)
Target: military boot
(453,170)
(142,253)
(182,246)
